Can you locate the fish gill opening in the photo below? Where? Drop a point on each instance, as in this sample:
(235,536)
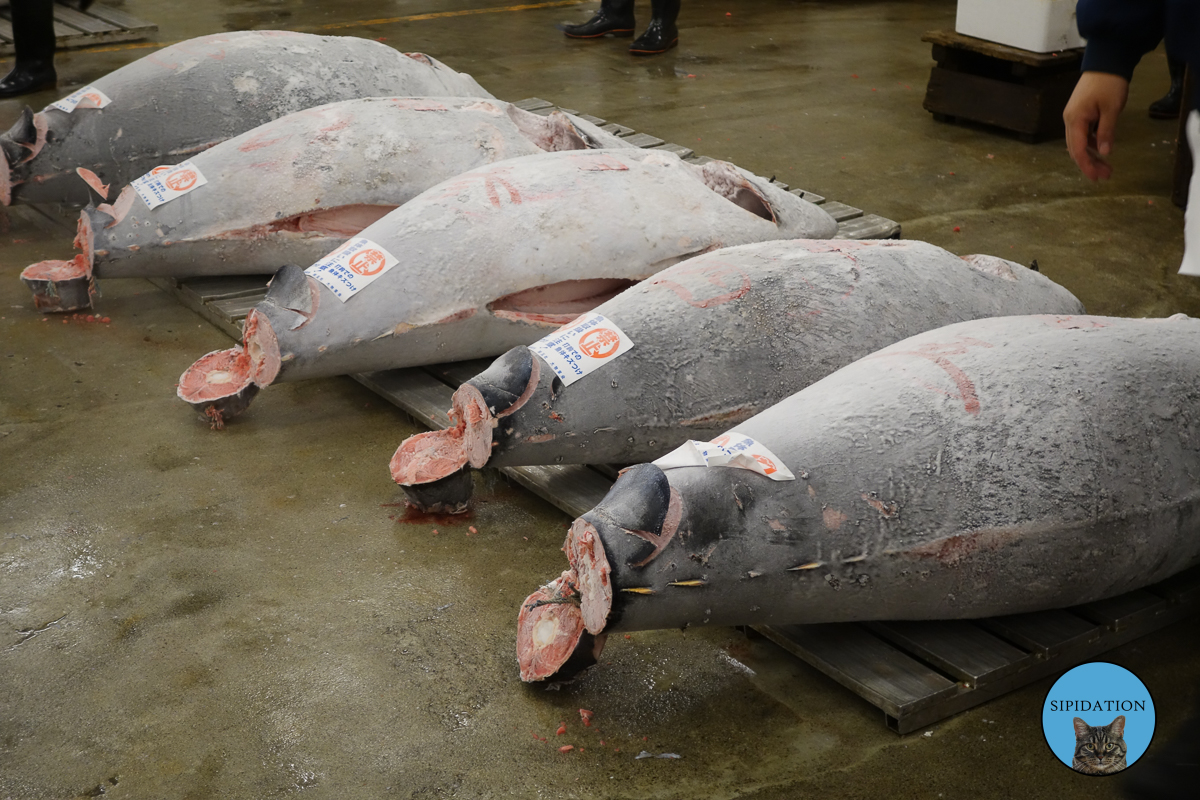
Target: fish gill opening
(725,180)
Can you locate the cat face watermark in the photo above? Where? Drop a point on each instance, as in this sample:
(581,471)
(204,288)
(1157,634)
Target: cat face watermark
(1098,718)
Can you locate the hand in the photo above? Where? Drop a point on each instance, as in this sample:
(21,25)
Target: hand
(1091,117)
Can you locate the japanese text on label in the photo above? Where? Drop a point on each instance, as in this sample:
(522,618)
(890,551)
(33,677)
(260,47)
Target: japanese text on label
(584,346)
(87,97)
(352,267)
(162,184)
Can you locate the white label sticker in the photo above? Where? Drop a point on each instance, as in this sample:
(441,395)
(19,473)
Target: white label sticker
(732,449)
(584,346)
(166,183)
(87,97)
(352,267)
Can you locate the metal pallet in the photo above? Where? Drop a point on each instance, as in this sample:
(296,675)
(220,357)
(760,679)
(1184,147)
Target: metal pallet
(99,24)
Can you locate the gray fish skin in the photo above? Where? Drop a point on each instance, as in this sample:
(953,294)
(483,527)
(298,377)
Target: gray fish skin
(190,96)
(997,466)
(295,188)
(717,339)
(588,223)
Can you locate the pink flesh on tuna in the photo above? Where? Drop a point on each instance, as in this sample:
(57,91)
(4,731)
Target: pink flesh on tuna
(549,628)
(558,303)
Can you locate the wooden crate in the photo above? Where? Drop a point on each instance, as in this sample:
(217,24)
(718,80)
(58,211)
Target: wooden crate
(100,24)
(1017,90)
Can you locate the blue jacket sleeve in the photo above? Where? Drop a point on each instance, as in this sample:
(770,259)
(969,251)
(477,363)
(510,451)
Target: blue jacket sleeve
(1119,33)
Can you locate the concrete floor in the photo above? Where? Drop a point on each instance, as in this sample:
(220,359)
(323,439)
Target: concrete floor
(246,614)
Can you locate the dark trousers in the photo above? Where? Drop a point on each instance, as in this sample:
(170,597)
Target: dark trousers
(33,30)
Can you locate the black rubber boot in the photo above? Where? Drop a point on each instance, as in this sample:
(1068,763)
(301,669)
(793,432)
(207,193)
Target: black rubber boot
(1167,106)
(614,18)
(661,35)
(28,76)
(33,40)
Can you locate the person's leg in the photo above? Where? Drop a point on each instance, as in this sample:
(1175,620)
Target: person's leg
(33,39)
(614,17)
(1167,106)
(661,35)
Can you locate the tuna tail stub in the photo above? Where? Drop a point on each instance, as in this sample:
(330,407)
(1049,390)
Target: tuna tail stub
(551,640)
(432,468)
(557,619)
(222,384)
(60,286)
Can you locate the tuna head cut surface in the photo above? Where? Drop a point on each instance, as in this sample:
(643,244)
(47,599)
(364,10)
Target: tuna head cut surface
(497,257)
(169,105)
(714,340)
(295,188)
(997,466)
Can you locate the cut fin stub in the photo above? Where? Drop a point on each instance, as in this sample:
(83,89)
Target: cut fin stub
(725,179)
(222,384)
(551,133)
(433,468)
(552,643)
(448,495)
(61,286)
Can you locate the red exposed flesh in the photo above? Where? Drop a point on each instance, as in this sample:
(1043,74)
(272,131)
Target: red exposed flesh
(557,303)
(428,457)
(93,180)
(56,270)
(220,374)
(342,221)
(263,348)
(547,634)
(589,562)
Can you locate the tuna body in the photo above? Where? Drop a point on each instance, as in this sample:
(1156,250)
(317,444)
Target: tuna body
(295,188)
(499,255)
(991,467)
(185,98)
(718,339)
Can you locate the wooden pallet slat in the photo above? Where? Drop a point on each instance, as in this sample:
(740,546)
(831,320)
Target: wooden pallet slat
(616,130)
(958,648)
(533,104)
(80,21)
(117,17)
(677,149)
(811,197)
(868,226)
(1124,611)
(223,287)
(644,140)
(865,664)
(1047,633)
(423,396)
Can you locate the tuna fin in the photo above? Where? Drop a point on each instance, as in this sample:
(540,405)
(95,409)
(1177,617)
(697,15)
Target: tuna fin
(119,207)
(424,59)
(553,133)
(290,292)
(725,179)
(24,131)
(509,381)
(289,289)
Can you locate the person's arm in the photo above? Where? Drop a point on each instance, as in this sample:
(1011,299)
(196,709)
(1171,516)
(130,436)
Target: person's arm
(1118,33)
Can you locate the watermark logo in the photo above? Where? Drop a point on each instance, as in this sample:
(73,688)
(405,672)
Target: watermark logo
(1098,718)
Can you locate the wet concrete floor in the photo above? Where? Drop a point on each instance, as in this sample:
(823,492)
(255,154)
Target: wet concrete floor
(247,614)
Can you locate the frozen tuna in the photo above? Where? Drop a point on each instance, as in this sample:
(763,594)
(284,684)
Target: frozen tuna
(997,466)
(495,258)
(295,188)
(183,99)
(715,340)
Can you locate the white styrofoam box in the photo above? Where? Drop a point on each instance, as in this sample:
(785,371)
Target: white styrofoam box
(1041,26)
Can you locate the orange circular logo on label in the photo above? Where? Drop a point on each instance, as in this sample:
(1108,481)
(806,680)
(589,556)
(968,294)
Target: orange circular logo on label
(181,181)
(721,441)
(367,262)
(767,464)
(92,98)
(159,170)
(600,343)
